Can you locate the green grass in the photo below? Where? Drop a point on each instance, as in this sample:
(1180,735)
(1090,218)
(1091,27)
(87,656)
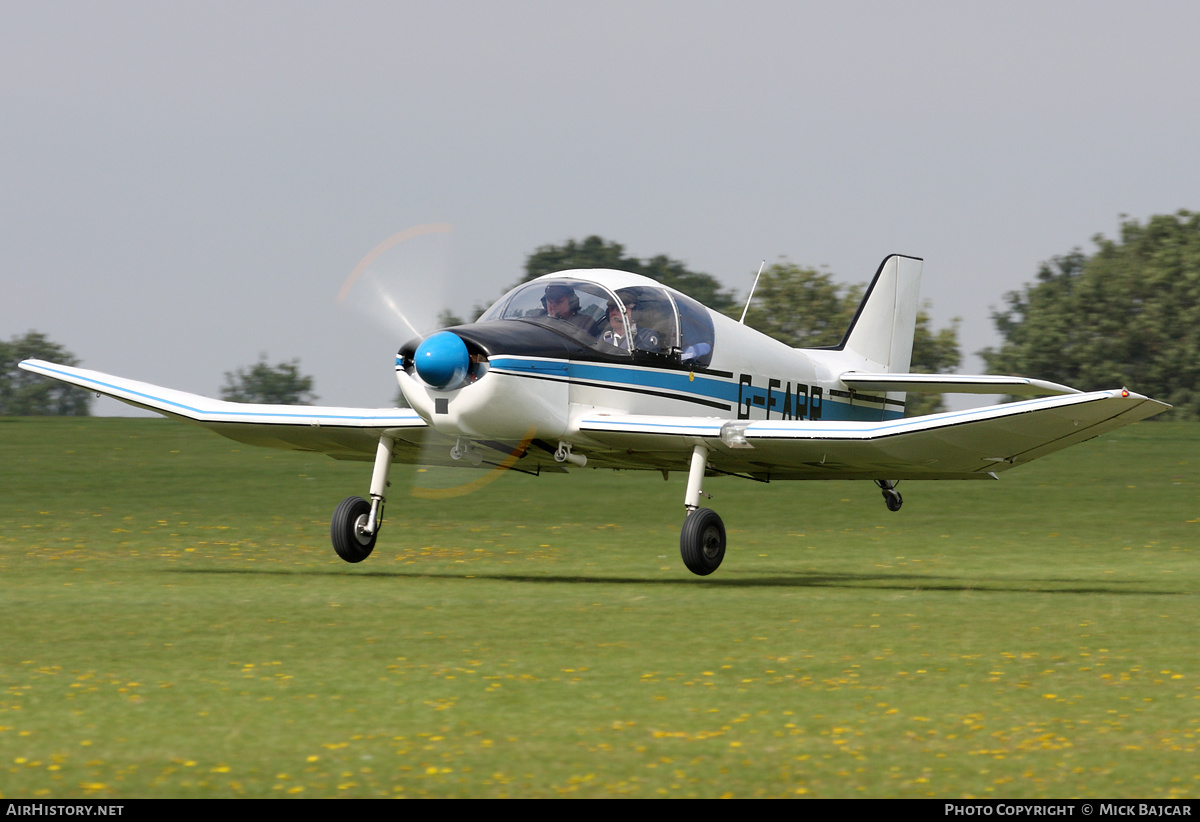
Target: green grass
(176,624)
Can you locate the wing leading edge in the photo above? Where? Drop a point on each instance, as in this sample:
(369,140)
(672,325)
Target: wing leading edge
(973,444)
(343,433)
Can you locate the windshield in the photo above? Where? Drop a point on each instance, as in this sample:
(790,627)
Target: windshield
(639,320)
(575,308)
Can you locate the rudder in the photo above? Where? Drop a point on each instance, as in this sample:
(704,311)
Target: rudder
(883,327)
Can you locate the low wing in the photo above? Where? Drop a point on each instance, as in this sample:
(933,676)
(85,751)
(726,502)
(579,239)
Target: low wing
(344,433)
(973,444)
(954,384)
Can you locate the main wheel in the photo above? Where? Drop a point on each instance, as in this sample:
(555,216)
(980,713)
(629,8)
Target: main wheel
(350,543)
(893,499)
(702,541)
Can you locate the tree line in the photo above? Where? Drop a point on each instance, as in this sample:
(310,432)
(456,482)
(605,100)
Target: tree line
(1126,315)
(25,394)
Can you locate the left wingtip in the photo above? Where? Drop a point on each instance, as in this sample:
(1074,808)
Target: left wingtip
(36,366)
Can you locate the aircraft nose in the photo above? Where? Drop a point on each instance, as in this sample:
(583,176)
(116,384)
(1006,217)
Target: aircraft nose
(442,360)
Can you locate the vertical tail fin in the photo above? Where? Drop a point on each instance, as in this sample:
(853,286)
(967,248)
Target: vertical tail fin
(882,330)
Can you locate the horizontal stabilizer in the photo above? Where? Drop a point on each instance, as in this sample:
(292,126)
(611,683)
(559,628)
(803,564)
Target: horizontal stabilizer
(954,384)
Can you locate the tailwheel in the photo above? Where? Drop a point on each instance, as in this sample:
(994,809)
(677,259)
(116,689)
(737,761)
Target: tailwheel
(348,530)
(891,496)
(702,541)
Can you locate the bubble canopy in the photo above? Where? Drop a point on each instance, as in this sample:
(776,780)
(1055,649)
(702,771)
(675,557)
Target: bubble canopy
(629,316)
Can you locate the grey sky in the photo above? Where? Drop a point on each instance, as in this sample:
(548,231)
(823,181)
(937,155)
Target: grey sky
(187,185)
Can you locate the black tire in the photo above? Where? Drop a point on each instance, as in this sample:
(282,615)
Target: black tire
(702,542)
(893,499)
(347,541)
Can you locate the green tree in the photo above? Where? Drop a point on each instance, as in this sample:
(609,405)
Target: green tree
(1127,315)
(806,308)
(26,394)
(592,252)
(802,307)
(596,252)
(703,287)
(934,352)
(281,384)
(448,319)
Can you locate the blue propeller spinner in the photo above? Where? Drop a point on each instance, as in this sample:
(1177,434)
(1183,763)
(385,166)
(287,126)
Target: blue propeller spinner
(442,360)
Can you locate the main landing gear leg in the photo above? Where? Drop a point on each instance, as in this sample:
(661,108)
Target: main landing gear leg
(890,495)
(356,522)
(702,540)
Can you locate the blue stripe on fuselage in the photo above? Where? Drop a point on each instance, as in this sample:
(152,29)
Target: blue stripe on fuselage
(687,384)
(677,381)
(624,377)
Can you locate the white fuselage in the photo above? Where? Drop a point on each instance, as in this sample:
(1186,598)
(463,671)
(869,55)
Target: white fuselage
(523,392)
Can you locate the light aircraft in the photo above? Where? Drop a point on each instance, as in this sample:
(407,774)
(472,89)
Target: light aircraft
(609,369)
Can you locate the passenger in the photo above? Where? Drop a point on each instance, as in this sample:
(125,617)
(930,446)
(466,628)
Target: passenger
(622,329)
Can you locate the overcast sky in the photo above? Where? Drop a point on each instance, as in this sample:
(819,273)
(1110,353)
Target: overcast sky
(186,186)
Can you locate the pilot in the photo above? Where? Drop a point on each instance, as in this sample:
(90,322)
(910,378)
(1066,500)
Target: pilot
(643,339)
(562,303)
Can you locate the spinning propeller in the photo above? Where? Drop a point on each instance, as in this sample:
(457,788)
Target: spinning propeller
(401,287)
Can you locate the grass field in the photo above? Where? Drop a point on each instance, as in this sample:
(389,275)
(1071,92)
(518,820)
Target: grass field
(176,624)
